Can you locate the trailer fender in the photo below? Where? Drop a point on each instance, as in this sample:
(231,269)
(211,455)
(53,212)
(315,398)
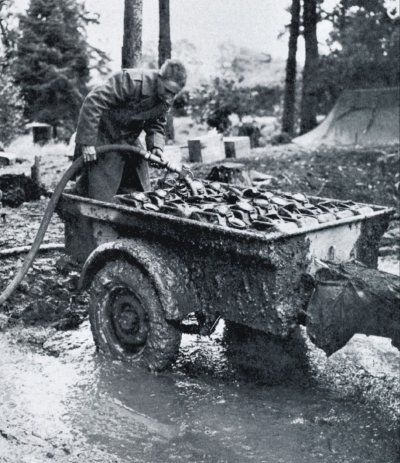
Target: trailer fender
(140,254)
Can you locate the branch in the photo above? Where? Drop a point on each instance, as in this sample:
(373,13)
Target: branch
(23,249)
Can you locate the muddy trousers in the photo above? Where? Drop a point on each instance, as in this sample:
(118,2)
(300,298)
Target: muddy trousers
(114,173)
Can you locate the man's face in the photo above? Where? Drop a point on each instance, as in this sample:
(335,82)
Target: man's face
(167,90)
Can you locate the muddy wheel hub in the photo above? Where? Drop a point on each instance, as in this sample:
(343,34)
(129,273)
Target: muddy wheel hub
(128,319)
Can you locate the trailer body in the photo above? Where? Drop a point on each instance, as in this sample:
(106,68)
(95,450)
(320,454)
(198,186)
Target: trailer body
(253,278)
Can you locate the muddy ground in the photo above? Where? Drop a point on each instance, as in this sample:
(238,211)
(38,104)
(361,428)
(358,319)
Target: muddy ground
(206,411)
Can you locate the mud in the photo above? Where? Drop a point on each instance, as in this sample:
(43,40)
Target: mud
(368,176)
(60,401)
(48,294)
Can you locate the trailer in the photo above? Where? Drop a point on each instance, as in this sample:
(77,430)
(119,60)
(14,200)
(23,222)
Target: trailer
(148,272)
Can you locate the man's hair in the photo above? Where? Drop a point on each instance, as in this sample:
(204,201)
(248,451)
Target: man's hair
(174,70)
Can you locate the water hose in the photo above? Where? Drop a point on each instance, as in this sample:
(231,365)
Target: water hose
(70,173)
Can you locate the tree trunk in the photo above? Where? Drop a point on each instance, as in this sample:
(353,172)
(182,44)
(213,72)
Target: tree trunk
(164,53)
(308,108)
(4,36)
(132,43)
(288,117)
(164,42)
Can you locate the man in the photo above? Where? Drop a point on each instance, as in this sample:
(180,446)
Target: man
(116,112)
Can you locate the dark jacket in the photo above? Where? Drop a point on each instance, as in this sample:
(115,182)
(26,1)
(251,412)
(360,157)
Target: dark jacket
(118,110)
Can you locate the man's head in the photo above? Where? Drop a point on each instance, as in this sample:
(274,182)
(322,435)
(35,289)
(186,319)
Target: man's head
(171,80)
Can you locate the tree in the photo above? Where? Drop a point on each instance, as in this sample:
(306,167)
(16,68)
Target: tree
(53,61)
(164,52)
(214,101)
(11,103)
(8,33)
(11,108)
(164,43)
(309,97)
(364,49)
(132,41)
(288,117)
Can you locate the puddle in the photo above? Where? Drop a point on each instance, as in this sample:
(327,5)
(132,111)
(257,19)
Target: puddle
(71,404)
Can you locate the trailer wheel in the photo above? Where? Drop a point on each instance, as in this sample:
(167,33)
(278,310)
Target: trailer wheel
(263,357)
(127,319)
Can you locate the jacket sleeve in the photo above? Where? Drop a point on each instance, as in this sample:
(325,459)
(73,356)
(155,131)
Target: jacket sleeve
(111,94)
(155,132)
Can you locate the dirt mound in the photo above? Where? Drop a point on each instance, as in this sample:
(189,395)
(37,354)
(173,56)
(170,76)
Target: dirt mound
(18,189)
(360,117)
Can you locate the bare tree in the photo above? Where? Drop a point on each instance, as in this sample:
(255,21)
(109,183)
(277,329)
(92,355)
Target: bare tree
(132,43)
(308,109)
(288,116)
(164,52)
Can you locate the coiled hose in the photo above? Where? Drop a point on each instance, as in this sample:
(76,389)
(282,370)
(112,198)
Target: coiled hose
(71,172)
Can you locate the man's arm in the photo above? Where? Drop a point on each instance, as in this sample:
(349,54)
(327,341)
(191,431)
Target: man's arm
(113,92)
(155,134)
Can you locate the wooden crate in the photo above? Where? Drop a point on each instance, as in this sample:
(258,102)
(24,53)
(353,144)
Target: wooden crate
(237,147)
(208,148)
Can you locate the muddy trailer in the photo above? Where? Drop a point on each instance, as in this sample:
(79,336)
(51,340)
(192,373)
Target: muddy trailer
(148,273)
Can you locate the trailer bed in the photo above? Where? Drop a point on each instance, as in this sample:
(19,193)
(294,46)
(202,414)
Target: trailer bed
(251,277)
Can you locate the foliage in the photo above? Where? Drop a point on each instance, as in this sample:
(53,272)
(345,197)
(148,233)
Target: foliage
(182,49)
(11,109)
(8,32)
(181,104)
(11,103)
(186,51)
(213,102)
(53,60)
(240,62)
(281,138)
(149,55)
(364,49)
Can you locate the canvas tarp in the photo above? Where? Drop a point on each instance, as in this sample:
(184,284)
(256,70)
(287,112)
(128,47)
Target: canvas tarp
(368,117)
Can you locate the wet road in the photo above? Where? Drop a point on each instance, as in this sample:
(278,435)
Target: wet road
(65,403)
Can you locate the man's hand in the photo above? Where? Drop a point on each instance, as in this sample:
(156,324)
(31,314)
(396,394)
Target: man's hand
(159,153)
(89,153)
